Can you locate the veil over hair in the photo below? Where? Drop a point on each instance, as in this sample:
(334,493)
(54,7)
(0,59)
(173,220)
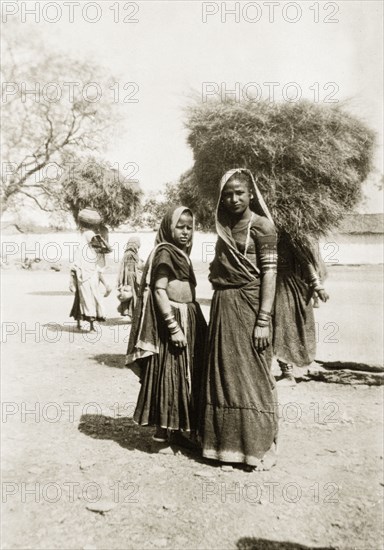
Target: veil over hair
(257,205)
(166,230)
(144,338)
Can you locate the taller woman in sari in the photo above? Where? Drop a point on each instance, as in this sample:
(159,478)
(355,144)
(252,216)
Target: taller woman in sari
(239,421)
(166,344)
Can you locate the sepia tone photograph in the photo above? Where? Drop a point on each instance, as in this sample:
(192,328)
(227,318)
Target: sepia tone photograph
(191,274)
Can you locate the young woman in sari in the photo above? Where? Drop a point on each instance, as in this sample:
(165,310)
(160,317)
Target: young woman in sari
(299,273)
(86,277)
(130,274)
(167,339)
(239,421)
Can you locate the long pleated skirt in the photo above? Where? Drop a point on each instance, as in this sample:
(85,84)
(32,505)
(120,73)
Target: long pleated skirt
(239,421)
(294,323)
(87,304)
(171,379)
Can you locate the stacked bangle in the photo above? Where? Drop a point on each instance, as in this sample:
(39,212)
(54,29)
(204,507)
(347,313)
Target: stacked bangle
(314,279)
(263,318)
(265,314)
(316,284)
(172,324)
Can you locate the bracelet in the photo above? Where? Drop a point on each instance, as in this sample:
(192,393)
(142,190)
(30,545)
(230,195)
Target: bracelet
(264,313)
(174,328)
(314,280)
(168,317)
(262,323)
(172,324)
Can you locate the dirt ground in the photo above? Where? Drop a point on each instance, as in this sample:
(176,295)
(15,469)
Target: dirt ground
(78,474)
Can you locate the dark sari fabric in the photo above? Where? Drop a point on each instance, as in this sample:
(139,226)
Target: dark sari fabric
(128,275)
(170,377)
(294,338)
(239,421)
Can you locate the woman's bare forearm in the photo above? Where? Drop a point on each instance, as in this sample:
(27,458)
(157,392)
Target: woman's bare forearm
(162,301)
(268,289)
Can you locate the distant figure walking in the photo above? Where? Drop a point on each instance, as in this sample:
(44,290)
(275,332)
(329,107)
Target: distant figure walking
(87,276)
(130,276)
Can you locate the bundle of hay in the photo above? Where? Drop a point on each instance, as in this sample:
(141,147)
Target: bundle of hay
(93,191)
(309,160)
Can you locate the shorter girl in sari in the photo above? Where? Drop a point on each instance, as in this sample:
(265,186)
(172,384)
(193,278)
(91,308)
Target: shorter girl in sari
(168,332)
(130,274)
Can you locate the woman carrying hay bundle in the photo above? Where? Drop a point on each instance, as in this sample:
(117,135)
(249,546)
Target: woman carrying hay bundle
(239,421)
(87,271)
(299,282)
(130,275)
(167,339)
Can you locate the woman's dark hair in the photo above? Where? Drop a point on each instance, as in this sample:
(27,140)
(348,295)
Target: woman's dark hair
(243,177)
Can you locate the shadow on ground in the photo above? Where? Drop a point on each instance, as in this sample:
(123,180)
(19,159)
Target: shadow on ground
(52,326)
(121,430)
(251,543)
(116,361)
(115,321)
(128,435)
(51,293)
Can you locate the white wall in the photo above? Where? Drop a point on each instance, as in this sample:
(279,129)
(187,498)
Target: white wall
(59,247)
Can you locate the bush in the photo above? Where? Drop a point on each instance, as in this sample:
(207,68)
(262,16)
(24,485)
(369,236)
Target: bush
(309,160)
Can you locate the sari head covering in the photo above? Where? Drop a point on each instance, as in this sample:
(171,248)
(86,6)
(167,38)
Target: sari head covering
(127,272)
(133,244)
(166,232)
(144,337)
(257,204)
(230,267)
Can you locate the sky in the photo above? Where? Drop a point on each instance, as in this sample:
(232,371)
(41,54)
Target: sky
(172,49)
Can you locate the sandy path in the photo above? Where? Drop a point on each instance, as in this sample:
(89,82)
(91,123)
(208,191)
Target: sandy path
(80,445)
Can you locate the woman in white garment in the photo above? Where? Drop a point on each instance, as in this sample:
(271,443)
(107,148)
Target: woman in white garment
(87,278)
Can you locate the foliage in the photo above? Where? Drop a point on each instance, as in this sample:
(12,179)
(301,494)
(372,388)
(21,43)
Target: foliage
(309,160)
(52,122)
(155,205)
(95,184)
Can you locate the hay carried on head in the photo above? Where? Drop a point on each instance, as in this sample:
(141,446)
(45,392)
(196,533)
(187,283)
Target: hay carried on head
(92,184)
(309,160)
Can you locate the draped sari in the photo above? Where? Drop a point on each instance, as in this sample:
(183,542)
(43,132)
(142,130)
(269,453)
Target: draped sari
(170,377)
(89,262)
(128,275)
(239,420)
(294,339)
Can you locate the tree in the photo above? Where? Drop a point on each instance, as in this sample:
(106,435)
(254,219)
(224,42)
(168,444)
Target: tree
(309,159)
(189,193)
(156,205)
(92,183)
(53,108)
